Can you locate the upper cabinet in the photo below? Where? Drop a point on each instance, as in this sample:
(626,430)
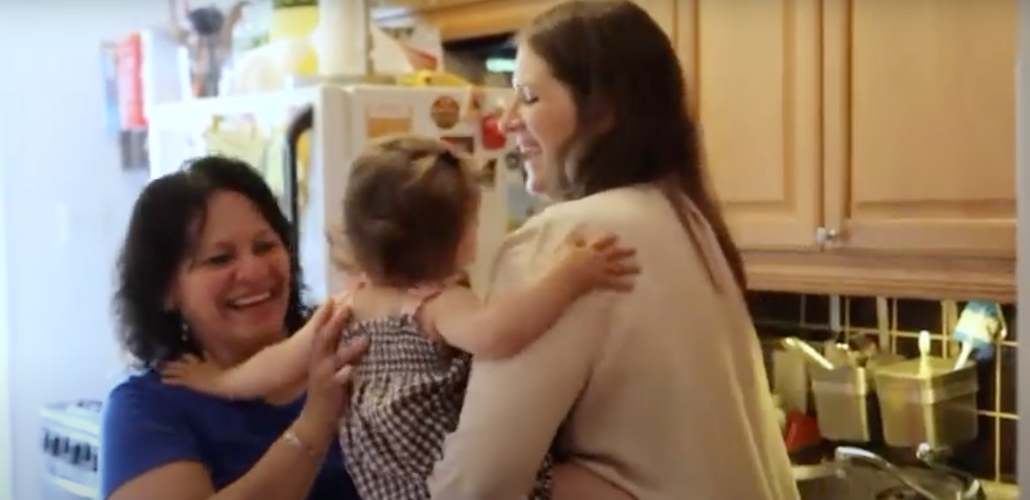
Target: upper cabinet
(919,125)
(463,19)
(753,71)
(861,147)
(858,147)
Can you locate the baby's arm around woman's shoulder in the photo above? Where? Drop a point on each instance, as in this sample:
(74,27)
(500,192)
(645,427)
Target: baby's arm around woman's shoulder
(510,322)
(501,327)
(274,368)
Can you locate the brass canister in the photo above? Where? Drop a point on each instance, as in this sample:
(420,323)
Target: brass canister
(927,400)
(845,404)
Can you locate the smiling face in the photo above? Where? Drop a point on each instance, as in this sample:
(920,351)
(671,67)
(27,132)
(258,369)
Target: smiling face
(542,118)
(233,288)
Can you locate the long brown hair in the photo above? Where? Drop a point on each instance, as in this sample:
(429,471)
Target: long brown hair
(614,58)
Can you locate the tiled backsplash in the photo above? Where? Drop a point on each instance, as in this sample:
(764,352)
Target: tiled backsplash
(993,455)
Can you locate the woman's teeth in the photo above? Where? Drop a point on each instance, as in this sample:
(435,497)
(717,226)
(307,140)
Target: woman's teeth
(250,299)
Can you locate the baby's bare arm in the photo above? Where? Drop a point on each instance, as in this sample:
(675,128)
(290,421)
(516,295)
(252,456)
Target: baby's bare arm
(273,368)
(506,324)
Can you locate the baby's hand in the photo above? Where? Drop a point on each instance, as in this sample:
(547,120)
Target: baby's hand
(599,263)
(197,374)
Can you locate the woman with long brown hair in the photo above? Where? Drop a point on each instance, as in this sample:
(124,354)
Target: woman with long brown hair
(660,391)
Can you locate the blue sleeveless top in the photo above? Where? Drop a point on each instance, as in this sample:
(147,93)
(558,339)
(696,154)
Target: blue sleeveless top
(148,424)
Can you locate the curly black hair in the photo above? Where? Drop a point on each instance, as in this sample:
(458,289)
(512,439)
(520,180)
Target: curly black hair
(160,235)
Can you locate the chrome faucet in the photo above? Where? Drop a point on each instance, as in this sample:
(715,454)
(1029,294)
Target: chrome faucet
(934,459)
(850,455)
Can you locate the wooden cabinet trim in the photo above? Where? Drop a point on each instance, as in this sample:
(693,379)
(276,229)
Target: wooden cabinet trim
(470,20)
(836,109)
(874,275)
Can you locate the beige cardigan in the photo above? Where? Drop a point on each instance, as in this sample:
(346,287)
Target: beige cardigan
(661,391)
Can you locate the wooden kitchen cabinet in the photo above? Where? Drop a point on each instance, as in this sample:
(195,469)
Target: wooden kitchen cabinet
(858,146)
(920,125)
(463,19)
(426,5)
(753,77)
(466,19)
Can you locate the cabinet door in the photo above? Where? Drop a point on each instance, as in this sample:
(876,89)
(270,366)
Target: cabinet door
(663,12)
(753,74)
(920,126)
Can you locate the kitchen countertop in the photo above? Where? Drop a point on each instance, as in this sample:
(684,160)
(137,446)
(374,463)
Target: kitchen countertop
(1000,491)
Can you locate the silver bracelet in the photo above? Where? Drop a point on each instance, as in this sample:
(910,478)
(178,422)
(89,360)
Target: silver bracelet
(294,440)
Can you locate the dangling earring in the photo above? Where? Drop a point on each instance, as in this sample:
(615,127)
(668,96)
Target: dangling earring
(184,328)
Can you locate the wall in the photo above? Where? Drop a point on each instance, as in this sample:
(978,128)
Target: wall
(1023,226)
(66,206)
(6,446)
(993,455)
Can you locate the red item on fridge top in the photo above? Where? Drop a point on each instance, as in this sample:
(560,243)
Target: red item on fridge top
(129,71)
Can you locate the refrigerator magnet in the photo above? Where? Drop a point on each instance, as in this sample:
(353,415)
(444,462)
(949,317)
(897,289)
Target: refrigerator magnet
(383,119)
(492,133)
(464,143)
(445,112)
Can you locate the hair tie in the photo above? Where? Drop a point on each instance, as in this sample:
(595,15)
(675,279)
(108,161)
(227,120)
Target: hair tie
(447,157)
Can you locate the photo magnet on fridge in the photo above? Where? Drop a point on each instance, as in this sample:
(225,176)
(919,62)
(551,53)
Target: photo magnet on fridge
(445,112)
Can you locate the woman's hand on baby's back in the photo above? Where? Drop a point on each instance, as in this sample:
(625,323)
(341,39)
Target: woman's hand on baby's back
(330,366)
(599,262)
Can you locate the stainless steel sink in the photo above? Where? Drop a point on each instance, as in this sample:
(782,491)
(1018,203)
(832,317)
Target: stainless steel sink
(825,482)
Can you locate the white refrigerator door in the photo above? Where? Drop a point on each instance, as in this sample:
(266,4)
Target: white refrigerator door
(439,112)
(332,151)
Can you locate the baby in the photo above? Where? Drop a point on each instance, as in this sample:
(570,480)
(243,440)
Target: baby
(411,219)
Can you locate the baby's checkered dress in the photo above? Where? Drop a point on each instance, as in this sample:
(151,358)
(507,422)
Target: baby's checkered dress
(407,397)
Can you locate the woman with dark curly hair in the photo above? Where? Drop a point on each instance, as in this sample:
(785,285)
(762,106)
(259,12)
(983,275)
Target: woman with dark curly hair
(206,270)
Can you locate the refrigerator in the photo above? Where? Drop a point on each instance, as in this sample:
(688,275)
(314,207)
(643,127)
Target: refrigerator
(303,141)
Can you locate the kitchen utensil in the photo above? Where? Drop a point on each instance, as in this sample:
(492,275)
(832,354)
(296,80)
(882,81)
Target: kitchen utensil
(846,405)
(810,352)
(883,324)
(840,354)
(790,378)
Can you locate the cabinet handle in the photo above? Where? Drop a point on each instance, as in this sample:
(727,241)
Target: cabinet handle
(824,236)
